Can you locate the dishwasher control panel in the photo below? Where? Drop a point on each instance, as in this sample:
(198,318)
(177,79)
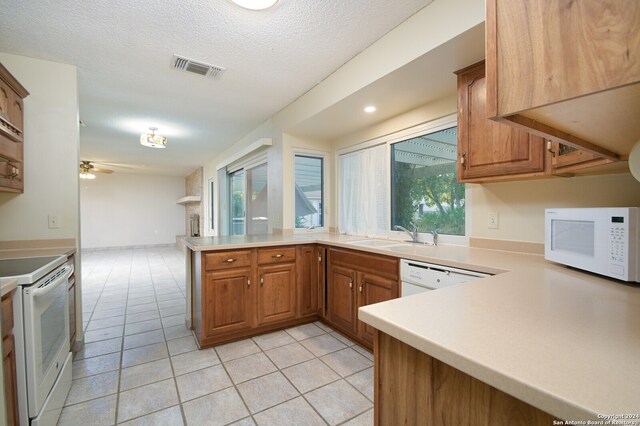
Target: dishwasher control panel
(420,276)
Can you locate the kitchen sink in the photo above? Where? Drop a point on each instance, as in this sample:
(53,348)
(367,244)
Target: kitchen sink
(374,243)
(411,248)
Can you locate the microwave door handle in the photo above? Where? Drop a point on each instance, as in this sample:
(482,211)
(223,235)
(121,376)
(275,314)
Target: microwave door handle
(50,287)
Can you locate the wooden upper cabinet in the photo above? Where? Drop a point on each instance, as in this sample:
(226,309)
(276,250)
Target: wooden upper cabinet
(11,132)
(276,293)
(566,159)
(227,301)
(566,70)
(487,149)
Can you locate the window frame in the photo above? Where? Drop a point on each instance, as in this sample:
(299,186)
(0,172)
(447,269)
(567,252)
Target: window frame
(244,165)
(325,186)
(400,136)
(212,192)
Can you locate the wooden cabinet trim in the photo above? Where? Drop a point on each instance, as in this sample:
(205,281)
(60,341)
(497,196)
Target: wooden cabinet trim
(13,82)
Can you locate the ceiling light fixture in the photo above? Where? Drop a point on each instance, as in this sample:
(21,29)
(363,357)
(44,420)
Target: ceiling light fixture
(87,174)
(255,4)
(152,140)
(370,109)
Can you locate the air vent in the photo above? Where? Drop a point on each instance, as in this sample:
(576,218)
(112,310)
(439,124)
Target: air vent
(200,68)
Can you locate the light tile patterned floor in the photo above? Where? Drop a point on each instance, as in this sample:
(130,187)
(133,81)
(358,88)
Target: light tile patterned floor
(141,366)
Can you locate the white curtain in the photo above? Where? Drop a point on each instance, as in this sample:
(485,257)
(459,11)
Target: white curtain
(364,192)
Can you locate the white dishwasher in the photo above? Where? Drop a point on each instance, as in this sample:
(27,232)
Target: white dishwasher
(418,277)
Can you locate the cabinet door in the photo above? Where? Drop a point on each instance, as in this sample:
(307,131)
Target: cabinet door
(342,303)
(276,293)
(373,289)
(486,148)
(307,268)
(227,301)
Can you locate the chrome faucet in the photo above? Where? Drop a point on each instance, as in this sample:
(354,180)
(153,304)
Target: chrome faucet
(413,234)
(435,237)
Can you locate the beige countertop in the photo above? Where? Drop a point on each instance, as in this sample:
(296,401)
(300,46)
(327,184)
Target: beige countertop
(7,285)
(37,252)
(564,341)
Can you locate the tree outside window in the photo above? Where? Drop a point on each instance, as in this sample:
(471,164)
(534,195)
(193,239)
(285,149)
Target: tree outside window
(424,188)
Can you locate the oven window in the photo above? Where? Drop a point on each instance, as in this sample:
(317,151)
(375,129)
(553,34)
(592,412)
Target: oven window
(52,325)
(573,236)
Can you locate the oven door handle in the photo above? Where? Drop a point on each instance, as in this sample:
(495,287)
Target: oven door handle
(63,278)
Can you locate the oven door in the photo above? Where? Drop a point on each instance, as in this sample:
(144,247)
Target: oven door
(46,333)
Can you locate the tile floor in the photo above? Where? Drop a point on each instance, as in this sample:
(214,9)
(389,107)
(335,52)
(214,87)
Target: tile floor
(140,365)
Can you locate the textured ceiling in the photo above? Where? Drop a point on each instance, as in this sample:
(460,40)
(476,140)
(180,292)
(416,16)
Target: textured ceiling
(123,52)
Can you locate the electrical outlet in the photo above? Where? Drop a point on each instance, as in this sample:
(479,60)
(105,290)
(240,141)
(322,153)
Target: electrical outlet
(54,221)
(492,220)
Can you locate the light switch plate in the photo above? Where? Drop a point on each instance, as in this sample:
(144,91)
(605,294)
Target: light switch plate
(492,220)
(54,221)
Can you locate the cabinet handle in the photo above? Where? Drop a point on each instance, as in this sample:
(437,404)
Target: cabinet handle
(462,160)
(350,284)
(319,258)
(261,280)
(360,288)
(549,145)
(248,283)
(277,256)
(231,260)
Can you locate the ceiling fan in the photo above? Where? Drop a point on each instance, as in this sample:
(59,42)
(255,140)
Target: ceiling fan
(88,170)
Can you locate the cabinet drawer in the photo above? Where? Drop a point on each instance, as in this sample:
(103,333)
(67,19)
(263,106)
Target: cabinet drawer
(276,255)
(7,315)
(385,266)
(227,260)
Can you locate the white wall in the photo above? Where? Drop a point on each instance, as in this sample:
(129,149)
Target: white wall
(50,151)
(121,210)
(520,205)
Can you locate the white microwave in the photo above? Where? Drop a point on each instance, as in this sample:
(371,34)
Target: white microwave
(604,240)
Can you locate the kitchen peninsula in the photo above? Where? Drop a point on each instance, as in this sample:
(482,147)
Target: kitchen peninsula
(560,340)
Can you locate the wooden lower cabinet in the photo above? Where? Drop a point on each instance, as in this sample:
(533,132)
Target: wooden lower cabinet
(241,293)
(358,279)
(228,304)
(373,289)
(9,361)
(342,298)
(276,293)
(414,388)
(309,264)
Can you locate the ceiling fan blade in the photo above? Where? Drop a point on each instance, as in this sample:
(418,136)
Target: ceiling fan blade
(105,171)
(124,166)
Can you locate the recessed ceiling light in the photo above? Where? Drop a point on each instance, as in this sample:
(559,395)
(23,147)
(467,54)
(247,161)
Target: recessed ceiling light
(370,109)
(255,4)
